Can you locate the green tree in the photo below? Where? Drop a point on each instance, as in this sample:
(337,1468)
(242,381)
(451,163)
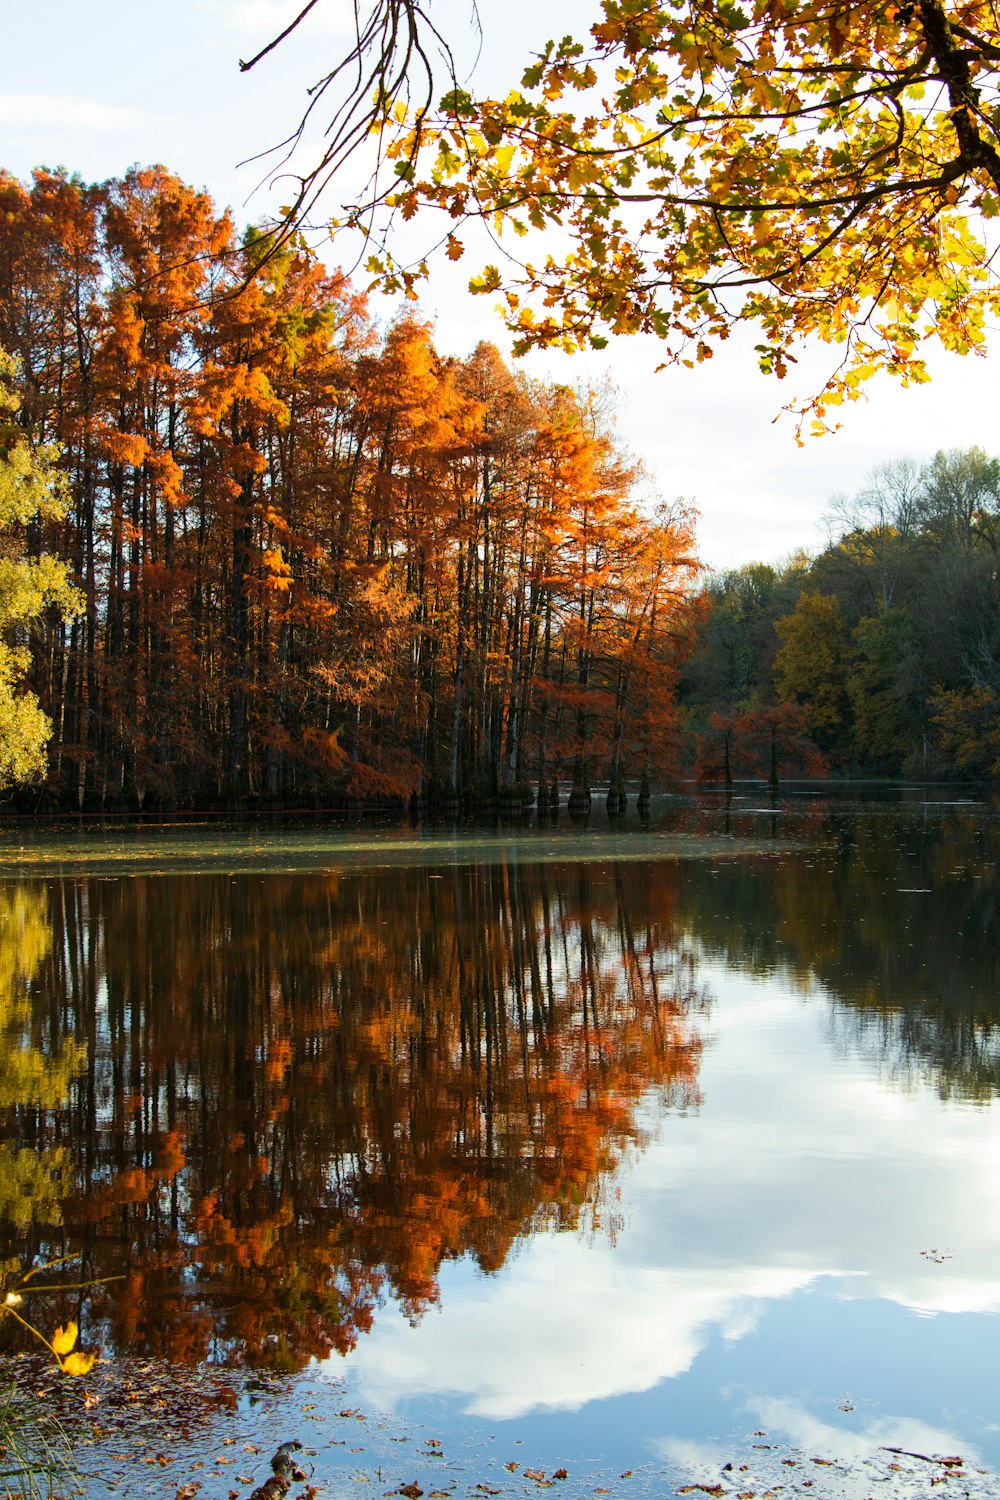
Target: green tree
(31,489)
(887,692)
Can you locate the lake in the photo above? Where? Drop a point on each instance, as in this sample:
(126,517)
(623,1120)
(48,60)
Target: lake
(663,1152)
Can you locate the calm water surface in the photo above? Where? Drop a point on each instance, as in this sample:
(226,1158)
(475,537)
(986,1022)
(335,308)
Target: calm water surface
(634,1150)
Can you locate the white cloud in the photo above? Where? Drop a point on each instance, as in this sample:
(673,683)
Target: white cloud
(65,112)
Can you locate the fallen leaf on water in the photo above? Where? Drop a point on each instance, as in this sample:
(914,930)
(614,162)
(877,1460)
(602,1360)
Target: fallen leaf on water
(705,1489)
(511,1468)
(561,1474)
(411,1491)
(535,1474)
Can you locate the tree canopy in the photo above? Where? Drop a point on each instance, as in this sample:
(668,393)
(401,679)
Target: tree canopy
(814,169)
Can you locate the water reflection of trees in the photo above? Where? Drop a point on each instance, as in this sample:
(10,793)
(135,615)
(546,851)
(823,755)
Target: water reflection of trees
(294,1095)
(896,912)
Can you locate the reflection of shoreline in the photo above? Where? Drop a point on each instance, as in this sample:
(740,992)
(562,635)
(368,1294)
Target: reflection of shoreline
(300,1052)
(304,1092)
(896,917)
(573,846)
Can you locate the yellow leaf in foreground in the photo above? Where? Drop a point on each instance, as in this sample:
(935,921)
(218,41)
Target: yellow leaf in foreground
(64,1338)
(78,1364)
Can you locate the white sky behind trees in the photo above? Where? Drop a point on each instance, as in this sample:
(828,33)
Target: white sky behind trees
(98,87)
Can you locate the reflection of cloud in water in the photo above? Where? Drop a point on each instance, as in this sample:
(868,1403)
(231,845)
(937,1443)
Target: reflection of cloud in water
(572,1325)
(699,1460)
(798,1167)
(792,1424)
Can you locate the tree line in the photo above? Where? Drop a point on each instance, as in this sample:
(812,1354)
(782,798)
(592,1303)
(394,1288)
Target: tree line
(315,560)
(258,552)
(879,656)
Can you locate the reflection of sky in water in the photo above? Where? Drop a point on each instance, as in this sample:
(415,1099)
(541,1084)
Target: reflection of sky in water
(766,1274)
(757,1284)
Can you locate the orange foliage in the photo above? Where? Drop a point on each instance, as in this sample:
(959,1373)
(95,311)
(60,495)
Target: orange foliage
(318,564)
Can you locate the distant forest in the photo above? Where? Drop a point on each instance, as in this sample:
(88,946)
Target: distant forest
(879,657)
(321,563)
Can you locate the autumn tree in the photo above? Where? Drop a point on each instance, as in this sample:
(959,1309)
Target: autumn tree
(811,172)
(32,492)
(810,667)
(319,562)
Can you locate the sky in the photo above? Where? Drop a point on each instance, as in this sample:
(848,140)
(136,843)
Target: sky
(98,87)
